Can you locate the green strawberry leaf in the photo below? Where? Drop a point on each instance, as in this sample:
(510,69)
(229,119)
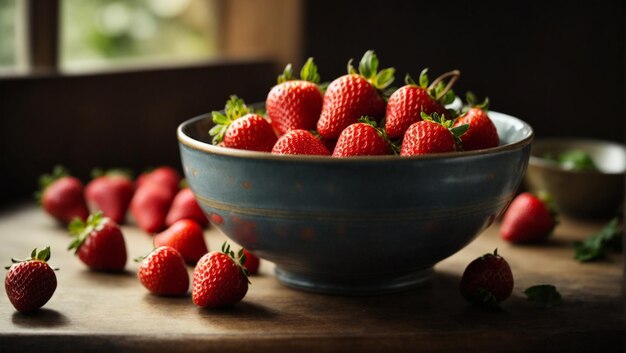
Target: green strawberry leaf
(384,78)
(596,245)
(287,74)
(458,131)
(81,230)
(544,295)
(309,72)
(423,79)
(409,80)
(235,108)
(577,160)
(485,298)
(368,66)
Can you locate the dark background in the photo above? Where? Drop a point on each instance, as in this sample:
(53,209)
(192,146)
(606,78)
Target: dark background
(558,65)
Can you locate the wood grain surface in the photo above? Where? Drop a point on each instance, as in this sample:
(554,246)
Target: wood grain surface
(101,312)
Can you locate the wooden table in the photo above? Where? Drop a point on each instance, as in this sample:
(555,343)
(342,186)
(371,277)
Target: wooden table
(98,312)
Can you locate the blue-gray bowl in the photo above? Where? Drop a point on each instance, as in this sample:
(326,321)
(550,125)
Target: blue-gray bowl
(360,225)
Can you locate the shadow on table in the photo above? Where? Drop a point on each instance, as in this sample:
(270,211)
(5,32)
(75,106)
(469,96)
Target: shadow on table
(40,318)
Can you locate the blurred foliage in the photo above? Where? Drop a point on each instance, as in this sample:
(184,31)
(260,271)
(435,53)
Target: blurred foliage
(99,33)
(102,32)
(7,32)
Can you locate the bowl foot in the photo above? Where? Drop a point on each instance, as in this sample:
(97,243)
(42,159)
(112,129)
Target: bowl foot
(360,286)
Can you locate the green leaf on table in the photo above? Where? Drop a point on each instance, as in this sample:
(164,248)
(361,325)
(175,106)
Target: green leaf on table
(596,245)
(544,295)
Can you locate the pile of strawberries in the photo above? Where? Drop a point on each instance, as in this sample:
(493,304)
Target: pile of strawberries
(357,114)
(161,208)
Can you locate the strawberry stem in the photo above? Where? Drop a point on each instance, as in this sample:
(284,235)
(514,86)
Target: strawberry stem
(81,230)
(235,108)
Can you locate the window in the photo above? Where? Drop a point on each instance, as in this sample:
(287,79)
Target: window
(8,33)
(102,32)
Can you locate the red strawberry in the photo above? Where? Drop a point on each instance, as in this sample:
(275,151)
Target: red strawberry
(251,262)
(352,96)
(219,279)
(364,138)
(529,218)
(187,237)
(406,105)
(295,104)
(62,196)
(150,205)
(185,206)
(482,132)
(300,142)
(238,128)
(99,243)
(431,135)
(488,280)
(165,176)
(163,272)
(110,193)
(30,283)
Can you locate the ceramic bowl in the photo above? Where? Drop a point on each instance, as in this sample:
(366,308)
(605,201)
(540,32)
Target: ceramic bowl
(360,225)
(587,194)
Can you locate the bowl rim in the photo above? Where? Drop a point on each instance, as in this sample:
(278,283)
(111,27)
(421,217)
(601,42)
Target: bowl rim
(539,162)
(190,142)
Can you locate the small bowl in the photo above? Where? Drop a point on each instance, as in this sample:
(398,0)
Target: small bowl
(586,194)
(361,225)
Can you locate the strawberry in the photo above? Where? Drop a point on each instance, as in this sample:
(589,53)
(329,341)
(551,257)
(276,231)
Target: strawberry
(529,218)
(300,142)
(238,128)
(110,193)
(163,272)
(481,132)
(187,237)
(354,95)
(488,280)
(165,176)
(150,205)
(431,135)
(219,279)
(251,262)
(30,283)
(185,206)
(406,105)
(99,243)
(61,196)
(295,104)
(364,138)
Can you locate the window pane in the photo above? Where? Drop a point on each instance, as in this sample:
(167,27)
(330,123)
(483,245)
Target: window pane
(100,33)
(7,33)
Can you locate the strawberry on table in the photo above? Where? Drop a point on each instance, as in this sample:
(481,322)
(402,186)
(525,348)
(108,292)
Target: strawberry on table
(300,142)
(241,129)
(353,96)
(165,176)
(185,206)
(363,138)
(99,243)
(61,196)
(110,192)
(150,205)
(219,279)
(488,280)
(406,105)
(432,134)
(481,133)
(529,218)
(295,104)
(187,237)
(30,283)
(251,262)
(163,272)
